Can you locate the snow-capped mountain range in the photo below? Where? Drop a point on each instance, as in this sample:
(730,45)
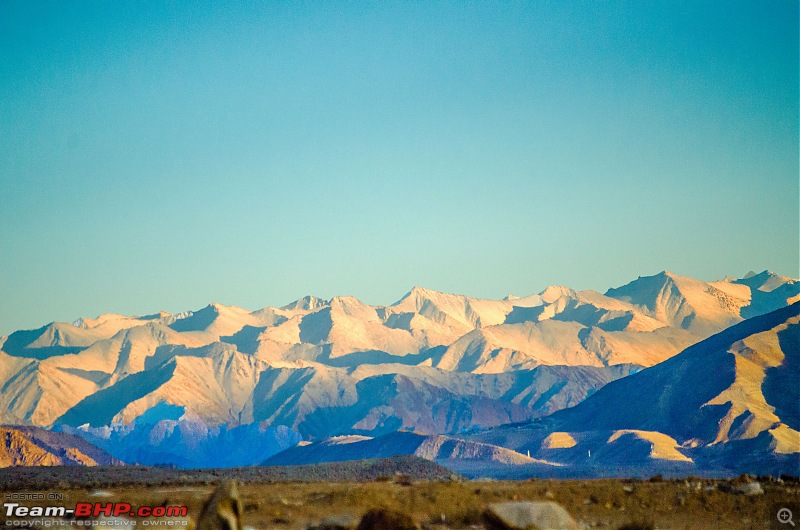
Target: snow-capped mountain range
(727,405)
(435,363)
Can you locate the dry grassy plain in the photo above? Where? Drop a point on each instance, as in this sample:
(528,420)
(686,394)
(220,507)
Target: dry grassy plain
(449,502)
(596,503)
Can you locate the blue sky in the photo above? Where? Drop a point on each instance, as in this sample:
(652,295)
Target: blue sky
(160,155)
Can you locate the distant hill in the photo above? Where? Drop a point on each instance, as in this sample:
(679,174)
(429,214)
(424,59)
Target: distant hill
(34,446)
(39,478)
(435,448)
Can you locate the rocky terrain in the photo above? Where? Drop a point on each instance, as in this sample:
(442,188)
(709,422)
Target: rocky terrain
(393,502)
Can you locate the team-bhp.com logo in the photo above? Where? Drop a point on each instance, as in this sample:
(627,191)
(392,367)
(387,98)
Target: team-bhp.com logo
(14,510)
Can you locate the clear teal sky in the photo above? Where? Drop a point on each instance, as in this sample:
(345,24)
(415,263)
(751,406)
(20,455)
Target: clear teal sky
(161,155)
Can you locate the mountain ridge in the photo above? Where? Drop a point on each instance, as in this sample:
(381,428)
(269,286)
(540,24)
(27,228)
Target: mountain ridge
(435,362)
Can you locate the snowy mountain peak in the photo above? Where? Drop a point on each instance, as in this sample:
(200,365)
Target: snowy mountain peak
(766,281)
(307,303)
(554,292)
(418,293)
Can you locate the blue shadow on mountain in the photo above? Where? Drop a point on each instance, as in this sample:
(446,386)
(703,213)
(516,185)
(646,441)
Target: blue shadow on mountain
(17,343)
(373,357)
(246,339)
(519,314)
(99,409)
(780,386)
(197,321)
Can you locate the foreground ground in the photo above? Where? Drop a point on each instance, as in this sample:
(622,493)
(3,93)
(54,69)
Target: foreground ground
(434,503)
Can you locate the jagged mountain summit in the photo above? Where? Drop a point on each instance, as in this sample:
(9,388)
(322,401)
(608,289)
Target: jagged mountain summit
(434,362)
